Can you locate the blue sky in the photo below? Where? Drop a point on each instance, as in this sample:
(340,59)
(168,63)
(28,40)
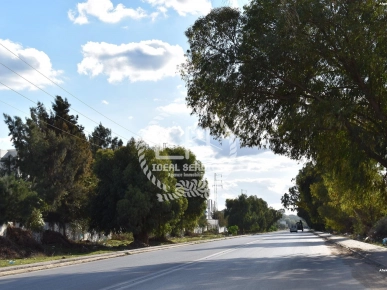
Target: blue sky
(117,61)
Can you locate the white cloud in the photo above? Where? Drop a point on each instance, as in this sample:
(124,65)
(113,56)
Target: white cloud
(183,7)
(182,90)
(36,58)
(5,142)
(105,11)
(105,102)
(175,108)
(130,117)
(265,175)
(157,135)
(149,60)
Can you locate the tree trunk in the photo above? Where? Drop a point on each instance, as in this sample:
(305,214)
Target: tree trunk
(142,237)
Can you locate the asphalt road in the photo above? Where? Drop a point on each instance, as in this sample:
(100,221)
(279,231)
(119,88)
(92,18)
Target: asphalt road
(279,260)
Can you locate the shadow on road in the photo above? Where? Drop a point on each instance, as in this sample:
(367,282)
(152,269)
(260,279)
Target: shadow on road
(299,272)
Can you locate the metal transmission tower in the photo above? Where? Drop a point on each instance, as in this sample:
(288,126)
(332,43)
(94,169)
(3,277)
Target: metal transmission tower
(217,182)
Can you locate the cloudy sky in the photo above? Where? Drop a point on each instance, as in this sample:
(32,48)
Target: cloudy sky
(116,63)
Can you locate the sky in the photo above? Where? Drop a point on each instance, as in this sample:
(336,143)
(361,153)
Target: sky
(116,62)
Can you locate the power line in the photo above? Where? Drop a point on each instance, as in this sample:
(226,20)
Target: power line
(48,95)
(84,140)
(69,92)
(36,104)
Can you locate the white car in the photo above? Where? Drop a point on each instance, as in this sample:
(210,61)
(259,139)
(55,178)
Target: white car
(293,228)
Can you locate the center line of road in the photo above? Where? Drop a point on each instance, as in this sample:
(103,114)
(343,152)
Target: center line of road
(134,282)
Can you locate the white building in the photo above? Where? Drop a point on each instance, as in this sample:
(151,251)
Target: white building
(6,155)
(210,208)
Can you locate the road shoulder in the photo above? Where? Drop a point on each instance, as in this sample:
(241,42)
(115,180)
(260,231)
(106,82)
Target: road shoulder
(373,253)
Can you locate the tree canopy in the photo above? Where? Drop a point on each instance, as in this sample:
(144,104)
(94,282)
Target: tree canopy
(18,200)
(101,137)
(348,199)
(250,214)
(126,200)
(53,154)
(293,74)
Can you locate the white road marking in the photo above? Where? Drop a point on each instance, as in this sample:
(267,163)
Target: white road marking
(134,282)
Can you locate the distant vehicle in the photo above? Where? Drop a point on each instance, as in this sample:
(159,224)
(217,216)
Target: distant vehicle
(300,226)
(296,227)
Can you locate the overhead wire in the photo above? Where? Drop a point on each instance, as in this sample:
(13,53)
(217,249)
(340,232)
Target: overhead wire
(84,140)
(41,120)
(55,83)
(50,96)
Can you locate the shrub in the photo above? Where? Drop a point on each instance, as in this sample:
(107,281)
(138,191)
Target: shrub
(35,222)
(122,237)
(233,230)
(379,230)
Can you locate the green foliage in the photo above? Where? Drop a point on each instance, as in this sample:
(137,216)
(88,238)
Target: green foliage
(126,201)
(379,230)
(233,230)
(219,215)
(54,155)
(18,201)
(301,199)
(309,78)
(195,203)
(341,197)
(295,73)
(101,138)
(8,166)
(122,237)
(202,222)
(35,222)
(250,214)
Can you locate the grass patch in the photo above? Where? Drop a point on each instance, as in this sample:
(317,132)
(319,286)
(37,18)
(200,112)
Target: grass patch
(43,258)
(187,239)
(81,249)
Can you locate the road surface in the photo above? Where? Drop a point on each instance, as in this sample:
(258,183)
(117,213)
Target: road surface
(280,260)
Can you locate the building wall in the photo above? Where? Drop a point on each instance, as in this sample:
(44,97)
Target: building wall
(75,235)
(5,154)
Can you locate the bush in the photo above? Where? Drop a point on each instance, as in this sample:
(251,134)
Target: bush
(35,222)
(233,230)
(379,230)
(122,237)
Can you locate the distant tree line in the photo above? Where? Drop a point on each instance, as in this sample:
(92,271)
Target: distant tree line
(348,197)
(251,214)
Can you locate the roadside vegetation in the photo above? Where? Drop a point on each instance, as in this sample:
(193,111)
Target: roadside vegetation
(306,79)
(20,248)
(97,184)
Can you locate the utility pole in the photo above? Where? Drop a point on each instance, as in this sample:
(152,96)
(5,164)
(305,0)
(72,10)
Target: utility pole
(217,182)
